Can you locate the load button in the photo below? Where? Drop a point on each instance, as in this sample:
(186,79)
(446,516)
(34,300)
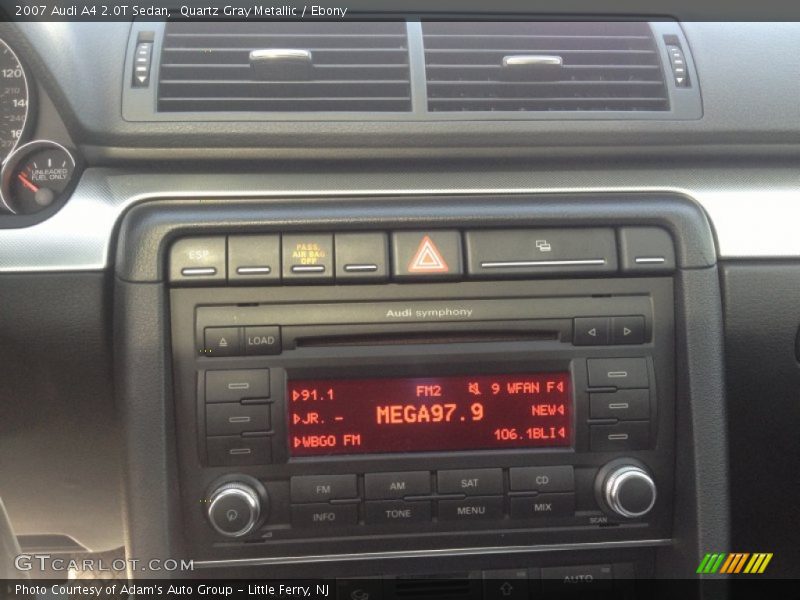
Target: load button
(262,340)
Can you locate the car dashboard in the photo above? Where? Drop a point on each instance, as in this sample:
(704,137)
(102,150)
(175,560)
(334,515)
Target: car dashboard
(446,308)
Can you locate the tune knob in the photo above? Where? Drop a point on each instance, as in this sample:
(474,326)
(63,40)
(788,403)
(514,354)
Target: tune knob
(628,490)
(235,508)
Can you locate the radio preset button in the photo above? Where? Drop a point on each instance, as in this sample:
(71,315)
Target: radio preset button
(542,479)
(397,512)
(262,340)
(618,372)
(378,486)
(236,385)
(543,505)
(591,331)
(229,418)
(321,515)
(473,482)
(230,450)
(319,488)
(222,341)
(624,405)
(471,509)
(625,435)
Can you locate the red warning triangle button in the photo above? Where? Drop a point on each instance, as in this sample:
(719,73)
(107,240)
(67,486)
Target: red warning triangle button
(428,259)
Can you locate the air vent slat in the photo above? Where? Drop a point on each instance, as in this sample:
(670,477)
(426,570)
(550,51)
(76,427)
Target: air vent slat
(356,66)
(603,66)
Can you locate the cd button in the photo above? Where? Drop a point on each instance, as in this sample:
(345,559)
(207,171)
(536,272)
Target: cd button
(543,505)
(473,482)
(397,512)
(318,488)
(543,479)
(318,515)
(471,509)
(397,485)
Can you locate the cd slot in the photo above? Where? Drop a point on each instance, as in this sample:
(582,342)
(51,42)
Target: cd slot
(424,333)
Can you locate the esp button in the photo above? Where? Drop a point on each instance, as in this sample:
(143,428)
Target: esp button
(198,260)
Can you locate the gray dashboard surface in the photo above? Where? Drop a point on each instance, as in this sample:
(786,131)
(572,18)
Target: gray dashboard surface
(747,71)
(753,211)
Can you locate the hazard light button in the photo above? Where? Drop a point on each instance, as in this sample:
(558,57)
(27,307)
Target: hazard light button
(427,255)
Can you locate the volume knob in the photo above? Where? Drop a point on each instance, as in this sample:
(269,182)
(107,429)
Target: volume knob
(234,509)
(629,491)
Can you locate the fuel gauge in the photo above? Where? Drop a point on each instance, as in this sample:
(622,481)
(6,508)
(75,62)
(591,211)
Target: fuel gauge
(35,176)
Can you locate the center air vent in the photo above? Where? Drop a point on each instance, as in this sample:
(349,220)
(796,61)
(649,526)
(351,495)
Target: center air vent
(284,67)
(543,66)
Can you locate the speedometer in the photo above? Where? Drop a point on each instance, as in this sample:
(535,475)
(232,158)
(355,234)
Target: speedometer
(14,100)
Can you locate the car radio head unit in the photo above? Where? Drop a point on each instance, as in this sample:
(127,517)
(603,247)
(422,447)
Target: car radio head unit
(431,414)
(423,416)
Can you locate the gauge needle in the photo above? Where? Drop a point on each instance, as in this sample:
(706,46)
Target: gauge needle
(28,183)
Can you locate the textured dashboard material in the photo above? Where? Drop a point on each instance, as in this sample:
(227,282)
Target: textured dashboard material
(751,209)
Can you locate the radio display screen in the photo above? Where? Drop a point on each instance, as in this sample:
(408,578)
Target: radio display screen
(431,414)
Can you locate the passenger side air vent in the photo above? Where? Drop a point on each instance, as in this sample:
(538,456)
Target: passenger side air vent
(543,66)
(284,67)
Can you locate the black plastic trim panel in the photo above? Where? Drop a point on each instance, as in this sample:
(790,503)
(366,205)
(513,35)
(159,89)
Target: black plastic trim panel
(150,227)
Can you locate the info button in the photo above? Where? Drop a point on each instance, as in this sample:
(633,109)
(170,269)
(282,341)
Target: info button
(262,340)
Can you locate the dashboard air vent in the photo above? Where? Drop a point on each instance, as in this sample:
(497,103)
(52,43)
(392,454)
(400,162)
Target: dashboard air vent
(284,67)
(543,66)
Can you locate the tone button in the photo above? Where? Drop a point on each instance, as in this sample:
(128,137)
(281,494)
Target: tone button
(397,512)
